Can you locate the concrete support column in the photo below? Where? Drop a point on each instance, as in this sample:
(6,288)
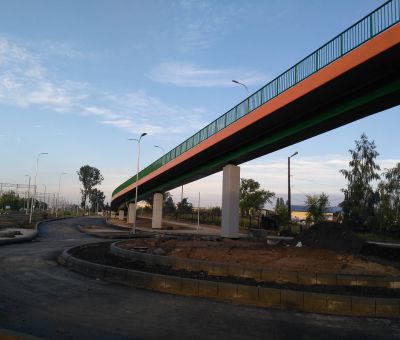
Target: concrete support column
(157,210)
(121,215)
(230,201)
(131,212)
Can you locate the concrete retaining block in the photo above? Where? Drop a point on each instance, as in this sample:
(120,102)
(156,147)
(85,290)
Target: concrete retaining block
(227,291)
(307,278)
(315,302)
(363,306)
(259,274)
(117,274)
(260,296)
(395,285)
(162,260)
(247,294)
(292,299)
(173,284)
(346,280)
(235,270)
(269,297)
(157,282)
(388,308)
(337,304)
(252,273)
(187,264)
(286,276)
(138,279)
(326,279)
(208,289)
(269,275)
(33,235)
(189,287)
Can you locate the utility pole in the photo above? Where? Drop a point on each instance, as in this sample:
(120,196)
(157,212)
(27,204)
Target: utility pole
(289,192)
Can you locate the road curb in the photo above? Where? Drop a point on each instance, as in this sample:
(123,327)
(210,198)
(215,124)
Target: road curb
(258,273)
(238,293)
(29,238)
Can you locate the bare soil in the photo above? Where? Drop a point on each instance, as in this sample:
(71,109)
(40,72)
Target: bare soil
(260,253)
(101,254)
(19,220)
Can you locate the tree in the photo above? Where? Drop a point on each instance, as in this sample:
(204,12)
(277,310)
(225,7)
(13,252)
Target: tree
(169,205)
(389,199)
(184,206)
(89,177)
(359,197)
(252,197)
(96,198)
(12,200)
(316,207)
(281,211)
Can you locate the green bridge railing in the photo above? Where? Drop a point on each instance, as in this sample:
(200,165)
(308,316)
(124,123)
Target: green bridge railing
(374,23)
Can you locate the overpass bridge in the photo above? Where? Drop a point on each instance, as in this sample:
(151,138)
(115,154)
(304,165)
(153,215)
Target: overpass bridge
(355,74)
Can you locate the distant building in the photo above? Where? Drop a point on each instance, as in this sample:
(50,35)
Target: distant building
(299,213)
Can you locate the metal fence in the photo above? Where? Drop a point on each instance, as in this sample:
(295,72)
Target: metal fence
(376,22)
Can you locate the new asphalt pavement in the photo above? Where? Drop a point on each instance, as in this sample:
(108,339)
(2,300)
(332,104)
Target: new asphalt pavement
(41,299)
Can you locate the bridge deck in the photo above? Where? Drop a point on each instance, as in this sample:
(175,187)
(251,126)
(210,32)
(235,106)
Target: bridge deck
(354,75)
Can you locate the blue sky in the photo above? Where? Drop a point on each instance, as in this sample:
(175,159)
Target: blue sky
(78,78)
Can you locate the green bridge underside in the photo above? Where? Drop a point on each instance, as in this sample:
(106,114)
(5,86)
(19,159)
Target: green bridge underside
(366,90)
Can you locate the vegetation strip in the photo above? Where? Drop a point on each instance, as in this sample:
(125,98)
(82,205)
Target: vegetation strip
(254,295)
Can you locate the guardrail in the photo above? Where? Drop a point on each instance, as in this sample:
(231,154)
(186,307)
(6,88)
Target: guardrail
(365,29)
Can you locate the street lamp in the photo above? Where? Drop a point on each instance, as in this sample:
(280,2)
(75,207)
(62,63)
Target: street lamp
(161,148)
(137,176)
(238,82)
(29,193)
(289,193)
(58,193)
(34,188)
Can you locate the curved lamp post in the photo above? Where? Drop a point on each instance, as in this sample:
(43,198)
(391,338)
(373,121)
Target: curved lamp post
(34,188)
(161,148)
(137,176)
(238,82)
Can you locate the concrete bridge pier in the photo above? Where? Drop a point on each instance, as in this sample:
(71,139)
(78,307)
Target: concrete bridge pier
(131,212)
(230,201)
(157,210)
(121,215)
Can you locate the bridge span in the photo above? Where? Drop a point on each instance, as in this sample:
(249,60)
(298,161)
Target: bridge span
(354,75)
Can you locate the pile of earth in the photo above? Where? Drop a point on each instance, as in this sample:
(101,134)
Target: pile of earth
(332,236)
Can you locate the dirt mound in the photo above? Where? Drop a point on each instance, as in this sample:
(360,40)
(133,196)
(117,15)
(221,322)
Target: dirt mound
(332,236)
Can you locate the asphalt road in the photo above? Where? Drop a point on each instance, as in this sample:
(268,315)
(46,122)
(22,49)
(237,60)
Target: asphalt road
(43,299)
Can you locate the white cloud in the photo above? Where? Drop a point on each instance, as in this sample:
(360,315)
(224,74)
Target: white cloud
(25,82)
(139,111)
(188,74)
(131,126)
(199,24)
(309,175)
